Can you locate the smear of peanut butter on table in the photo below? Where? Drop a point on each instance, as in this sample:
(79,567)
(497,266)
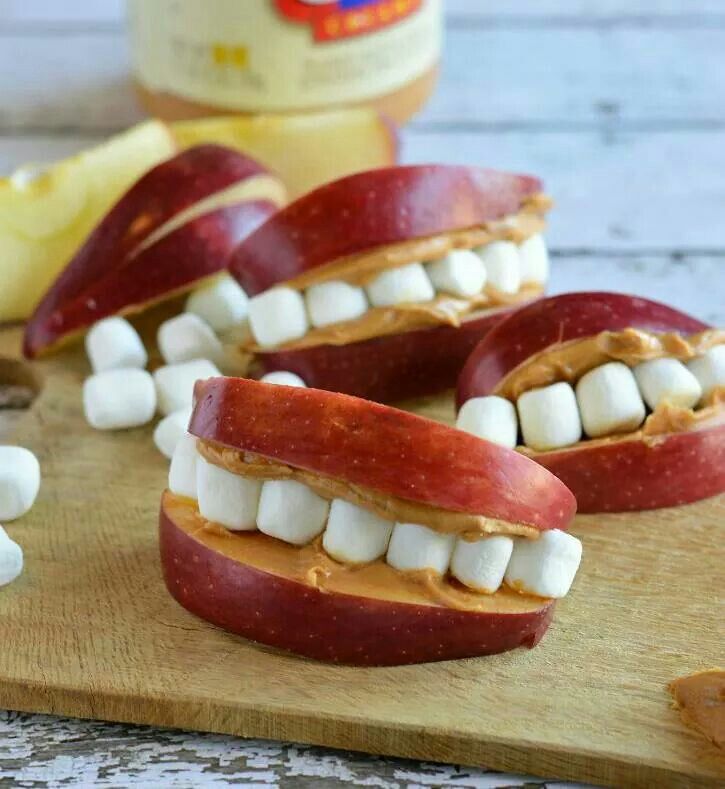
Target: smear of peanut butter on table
(700,699)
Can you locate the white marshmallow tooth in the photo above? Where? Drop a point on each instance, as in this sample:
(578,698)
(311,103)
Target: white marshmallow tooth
(491,418)
(503,265)
(416,547)
(534,261)
(461,273)
(609,400)
(709,369)
(401,285)
(290,511)
(19,481)
(667,379)
(544,567)
(355,535)
(277,316)
(170,429)
(119,399)
(186,337)
(182,471)
(11,559)
(283,378)
(175,383)
(334,302)
(112,344)
(481,565)
(225,498)
(222,303)
(549,417)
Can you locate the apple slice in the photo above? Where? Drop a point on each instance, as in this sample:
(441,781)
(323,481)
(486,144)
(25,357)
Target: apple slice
(306,150)
(174,227)
(676,457)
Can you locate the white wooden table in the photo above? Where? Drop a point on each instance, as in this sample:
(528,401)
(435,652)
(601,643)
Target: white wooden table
(620,108)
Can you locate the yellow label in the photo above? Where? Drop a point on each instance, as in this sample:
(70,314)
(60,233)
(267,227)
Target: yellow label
(276,55)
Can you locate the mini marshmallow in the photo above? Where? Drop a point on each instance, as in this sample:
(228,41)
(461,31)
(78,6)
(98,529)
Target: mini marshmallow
(170,429)
(609,400)
(544,567)
(182,471)
(503,265)
(11,559)
(187,337)
(481,565)
(534,261)
(112,344)
(491,418)
(175,383)
(277,316)
(119,399)
(222,303)
(333,302)
(415,547)
(19,481)
(283,378)
(290,511)
(549,417)
(667,379)
(400,285)
(226,498)
(355,535)
(461,273)
(709,369)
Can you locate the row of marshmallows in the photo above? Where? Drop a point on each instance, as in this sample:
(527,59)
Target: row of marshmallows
(281,314)
(290,511)
(19,486)
(608,399)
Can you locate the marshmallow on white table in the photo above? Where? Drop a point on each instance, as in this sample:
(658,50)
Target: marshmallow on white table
(461,273)
(609,400)
(416,547)
(400,285)
(503,265)
(481,565)
(546,566)
(112,344)
(354,534)
(283,378)
(175,383)
(222,303)
(667,379)
(226,498)
(491,418)
(534,261)
(277,316)
(186,337)
(119,399)
(709,369)
(549,417)
(11,558)
(170,429)
(290,511)
(333,302)
(182,471)
(19,481)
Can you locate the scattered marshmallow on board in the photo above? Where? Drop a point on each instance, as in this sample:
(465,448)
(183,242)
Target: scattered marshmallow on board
(11,559)
(19,481)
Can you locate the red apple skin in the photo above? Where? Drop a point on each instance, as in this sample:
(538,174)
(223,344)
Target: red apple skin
(104,277)
(393,452)
(617,476)
(359,631)
(371,209)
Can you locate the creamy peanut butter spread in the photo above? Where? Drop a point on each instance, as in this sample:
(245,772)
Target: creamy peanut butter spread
(311,566)
(389,507)
(700,698)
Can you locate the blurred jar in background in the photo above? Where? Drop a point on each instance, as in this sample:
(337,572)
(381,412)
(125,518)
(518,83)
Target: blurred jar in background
(193,58)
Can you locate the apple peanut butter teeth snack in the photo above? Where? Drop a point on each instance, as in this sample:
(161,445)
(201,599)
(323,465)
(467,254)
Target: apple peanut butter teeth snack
(349,531)
(381,283)
(621,397)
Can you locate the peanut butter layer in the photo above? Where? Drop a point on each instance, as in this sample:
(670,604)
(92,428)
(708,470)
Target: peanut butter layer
(389,507)
(700,698)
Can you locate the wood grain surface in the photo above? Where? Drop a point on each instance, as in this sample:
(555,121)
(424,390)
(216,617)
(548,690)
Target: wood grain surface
(94,633)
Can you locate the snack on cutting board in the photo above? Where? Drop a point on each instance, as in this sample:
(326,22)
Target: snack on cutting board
(349,531)
(620,397)
(381,283)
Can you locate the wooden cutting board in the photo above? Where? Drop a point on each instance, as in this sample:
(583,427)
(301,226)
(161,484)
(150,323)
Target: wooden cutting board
(89,631)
